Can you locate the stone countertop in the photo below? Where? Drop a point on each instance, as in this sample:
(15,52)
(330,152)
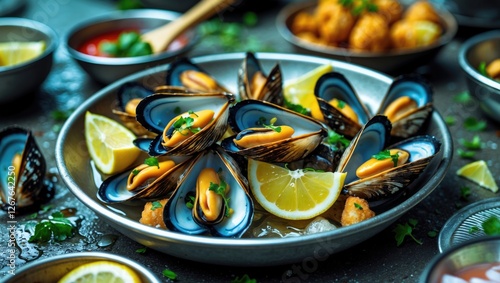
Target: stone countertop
(375,260)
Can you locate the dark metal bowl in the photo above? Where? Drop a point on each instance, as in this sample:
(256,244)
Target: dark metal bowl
(73,162)
(107,70)
(52,269)
(484,47)
(23,79)
(387,61)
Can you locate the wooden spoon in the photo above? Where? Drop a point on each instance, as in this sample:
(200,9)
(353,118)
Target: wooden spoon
(161,37)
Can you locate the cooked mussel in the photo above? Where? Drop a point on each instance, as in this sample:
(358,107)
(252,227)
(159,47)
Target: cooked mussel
(264,124)
(377,170)
(253,83)
(407,104)
(23,186)
(128,97)
(211,197)
(185,123)
(151,180)
(183,72)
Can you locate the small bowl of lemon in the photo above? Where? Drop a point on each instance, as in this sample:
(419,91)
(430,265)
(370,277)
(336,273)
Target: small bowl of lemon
(26,57)
(83,267)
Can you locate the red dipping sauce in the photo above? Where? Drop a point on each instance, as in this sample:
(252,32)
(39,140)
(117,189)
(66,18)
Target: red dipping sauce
(489,272)
(91,47)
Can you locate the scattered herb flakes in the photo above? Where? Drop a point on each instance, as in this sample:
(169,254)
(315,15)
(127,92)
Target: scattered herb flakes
(450,120)
(56,227)
(155,205)
(474,229)
(491,226)
(386,154)
(297,108)
(468,154)
(482,69)
(152,161)
(190,202)
(244,279)
(337,140)
(463,97)
(358,206)
(129,4)
(406,229)
(60,115)
(474,125)
(169,274)
(141,250)
(432,234)
(250,19)
(220,189)
(465,193)
(473,144)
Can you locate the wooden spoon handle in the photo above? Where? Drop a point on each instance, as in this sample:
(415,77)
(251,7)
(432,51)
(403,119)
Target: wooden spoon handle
(161,37)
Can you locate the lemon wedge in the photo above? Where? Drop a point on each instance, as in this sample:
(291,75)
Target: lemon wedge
(293,194)
(479,173)
(13,53)
(101,272)
(300,90)
(109,143)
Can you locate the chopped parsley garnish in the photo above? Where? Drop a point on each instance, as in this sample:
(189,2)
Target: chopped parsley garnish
(406,229)
(244,279)
(337,139)
(262,122)
(473,144)
(450,120)
(356,10)
(386,154)
(482,69)
(466,153)
(432,233)
(474,125)
(135,172)
(341,104)
(463,97)
(358,206)
(186,123)
(297,108)
(155,205)
(129,44)
(60,115)
(141,250)
(220,189)
(56,227)
(465,193)
(491,226)
(152,161)
(169,274)
(190,202)
(474,229)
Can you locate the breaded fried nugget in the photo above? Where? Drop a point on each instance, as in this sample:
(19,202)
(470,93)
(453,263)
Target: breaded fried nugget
(411,34)
(371,33)
(355,210)
(392,10)
(422,11)
(304,23)
(335,22)
(152,215)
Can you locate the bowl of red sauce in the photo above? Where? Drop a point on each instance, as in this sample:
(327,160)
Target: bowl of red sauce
(84,43)
(476,260)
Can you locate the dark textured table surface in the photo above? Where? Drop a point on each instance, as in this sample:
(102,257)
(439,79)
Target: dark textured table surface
(375,260)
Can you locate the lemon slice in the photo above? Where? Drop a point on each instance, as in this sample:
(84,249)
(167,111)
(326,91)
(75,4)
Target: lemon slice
(293,194)
(479,173)
(109,143)
(101,271)
(12,53)
(301,90)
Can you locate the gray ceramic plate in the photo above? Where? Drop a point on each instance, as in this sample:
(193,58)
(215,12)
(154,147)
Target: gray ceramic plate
(389,61)
(74,165)
(461,227)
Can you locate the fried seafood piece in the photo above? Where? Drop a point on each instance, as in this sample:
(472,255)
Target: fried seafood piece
(152,214)
(335,22)
(493,69)
(422,11)
(392,10)
(355,210)
(411,34)
(304,22)
(371,33)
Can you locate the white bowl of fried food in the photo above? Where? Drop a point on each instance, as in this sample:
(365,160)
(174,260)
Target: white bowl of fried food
(386,35)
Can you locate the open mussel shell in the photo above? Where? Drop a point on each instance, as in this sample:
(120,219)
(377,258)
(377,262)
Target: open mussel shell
(271,89)
(22,185)
(156,111)
(177,69)
(334,85)
(125,94)
(416,88)
(246,114)
(179,217)
(114,188)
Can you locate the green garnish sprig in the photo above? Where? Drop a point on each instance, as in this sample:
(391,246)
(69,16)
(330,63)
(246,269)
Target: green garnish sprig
(262,122)
(220,189)
(406,229)
(129,44)
(186,123)
(386,154)
(337,140)
(56,227)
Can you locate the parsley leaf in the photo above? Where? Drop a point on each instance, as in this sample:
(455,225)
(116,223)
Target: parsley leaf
(491,226)
(358,206)
(386,154)
(55,227)
(190,202)
(156,205)
(464,193)
(466,153)
(169,274)
(220,189)
(244,279)
(482,69)
(262,121)
(474,125)
(152,161)
(403,230)
(141,250)
(297,108)
(337,139)
(450,120)
(463,97)
(475,143)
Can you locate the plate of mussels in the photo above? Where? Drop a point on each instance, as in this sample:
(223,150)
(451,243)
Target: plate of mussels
(224,83)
